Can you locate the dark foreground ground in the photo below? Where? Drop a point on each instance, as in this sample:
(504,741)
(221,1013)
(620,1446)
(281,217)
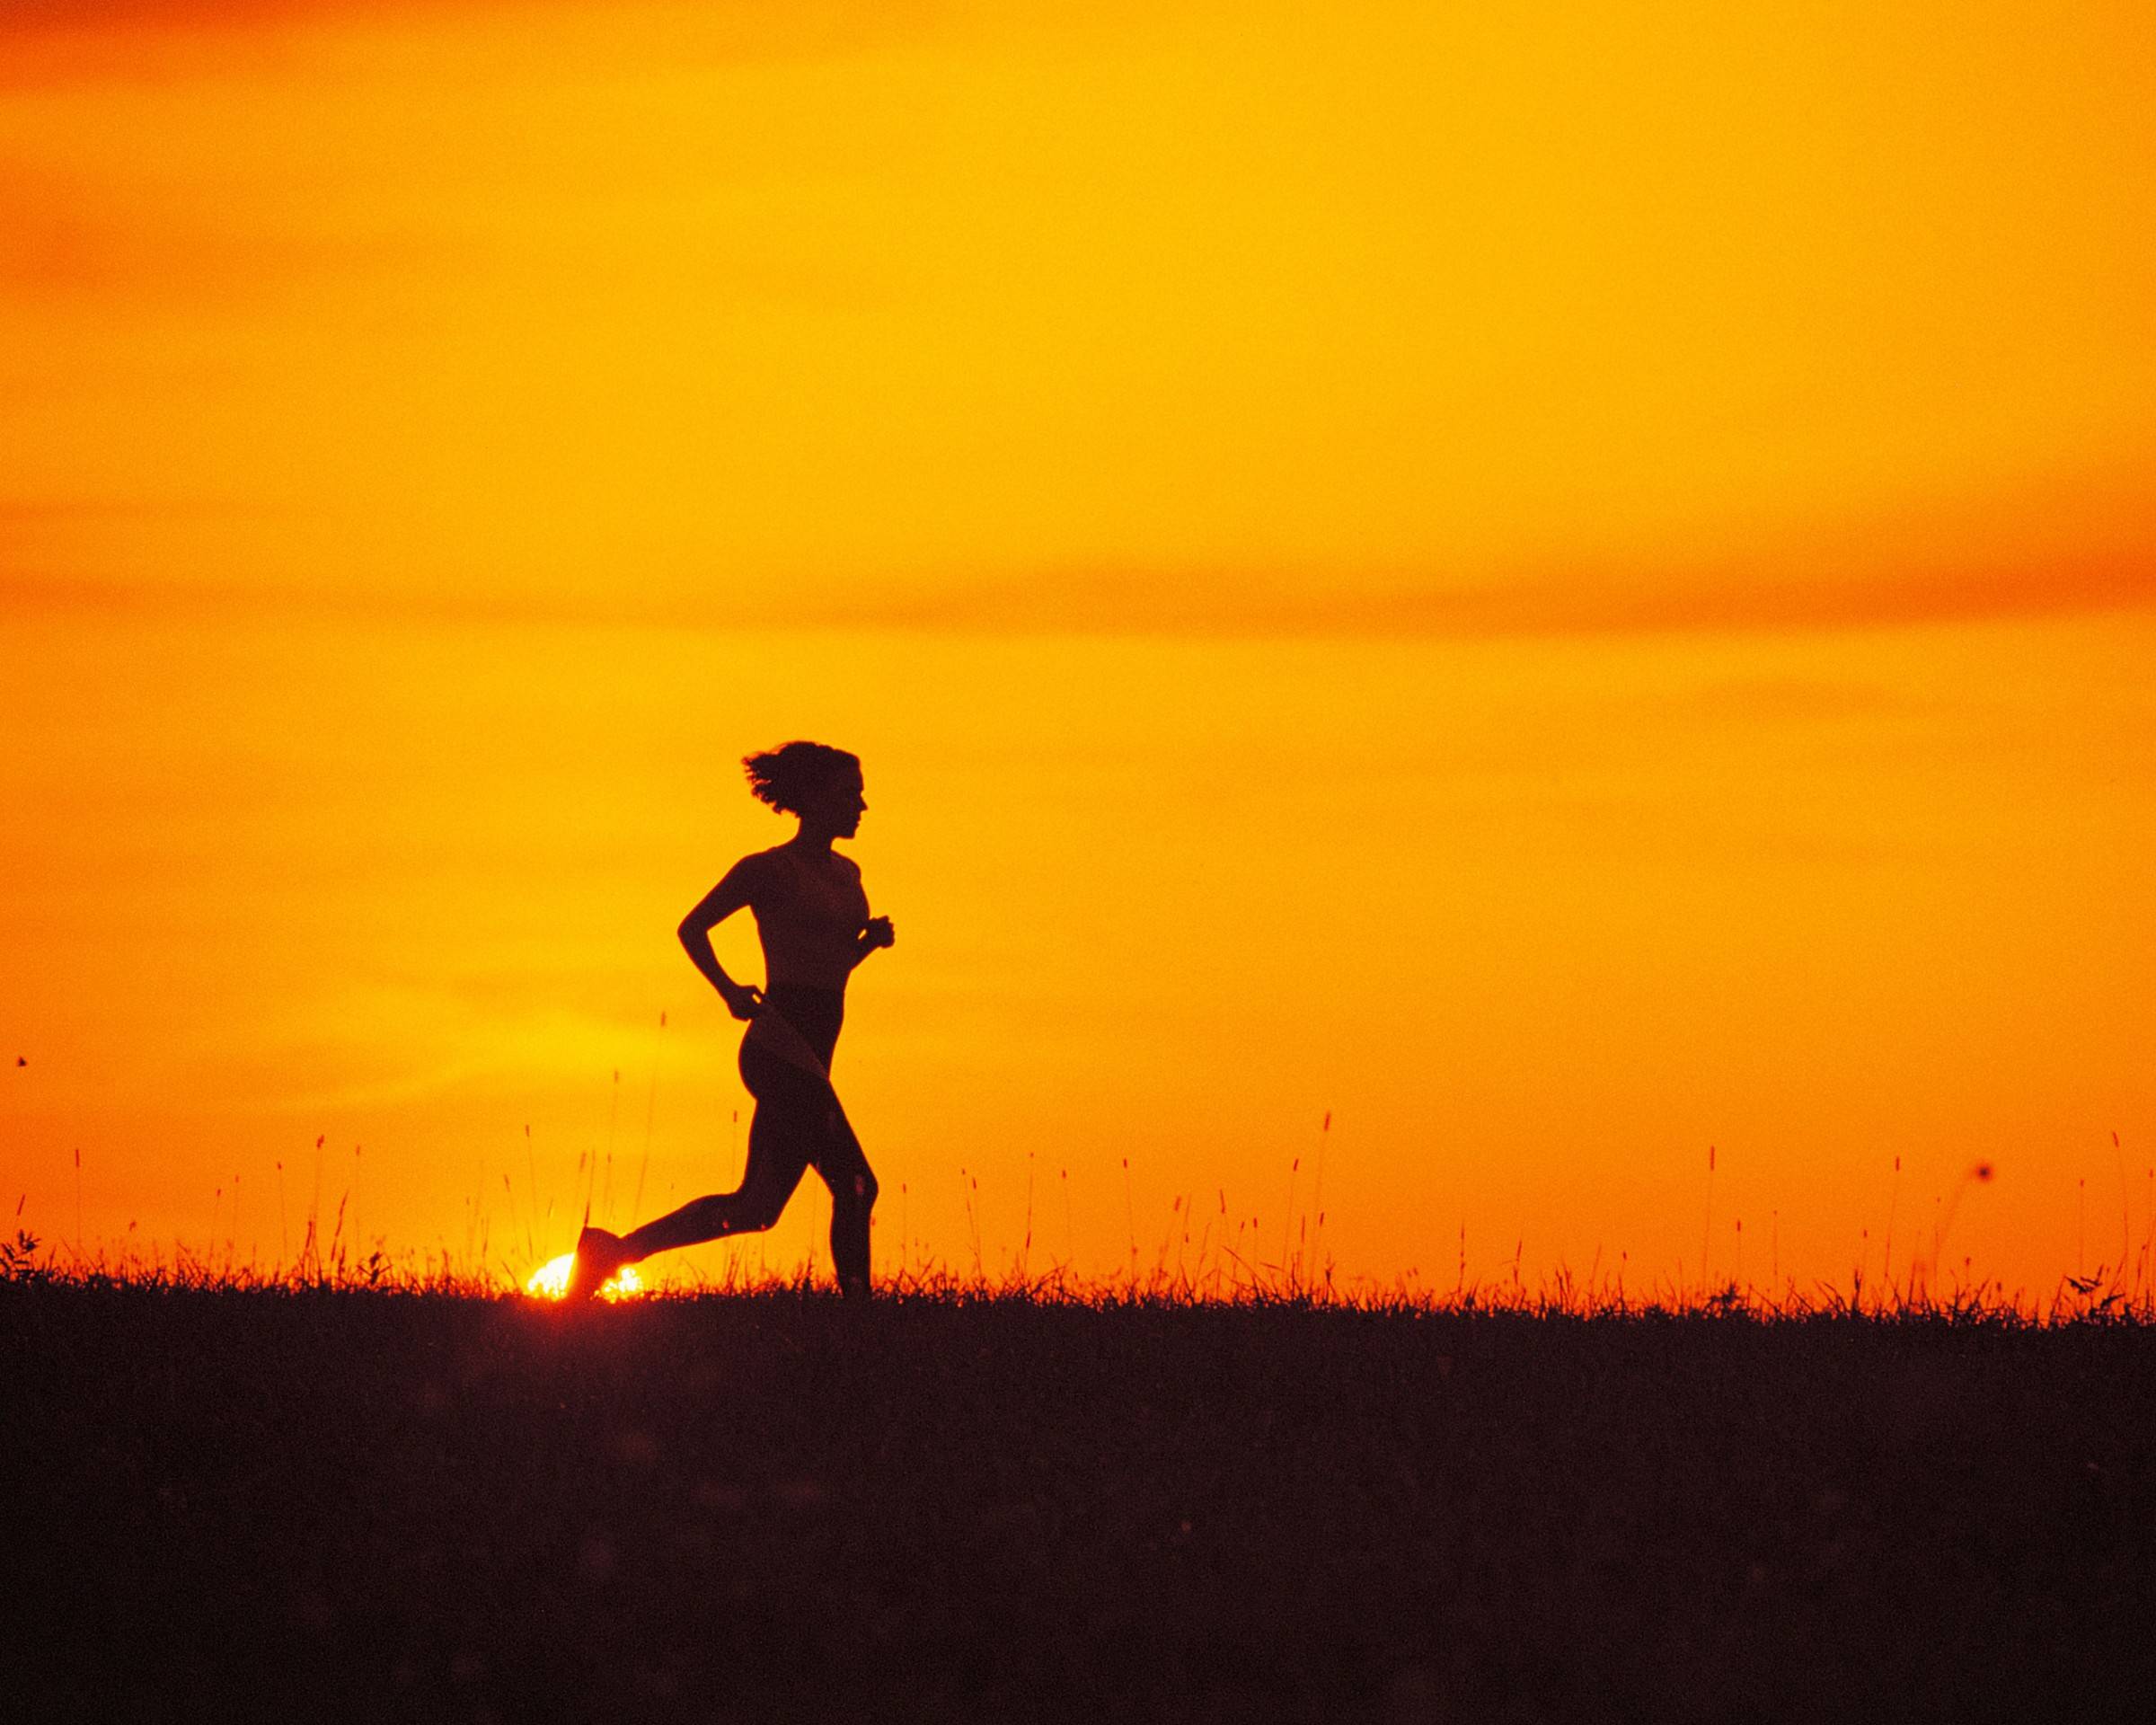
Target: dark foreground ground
(335,1505)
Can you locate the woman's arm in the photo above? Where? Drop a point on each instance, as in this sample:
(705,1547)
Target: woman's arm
(732,894)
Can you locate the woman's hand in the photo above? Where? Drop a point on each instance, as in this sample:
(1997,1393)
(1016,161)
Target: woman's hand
(743,1000)
(875,933)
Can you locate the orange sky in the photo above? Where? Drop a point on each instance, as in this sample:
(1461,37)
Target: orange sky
(1564,584)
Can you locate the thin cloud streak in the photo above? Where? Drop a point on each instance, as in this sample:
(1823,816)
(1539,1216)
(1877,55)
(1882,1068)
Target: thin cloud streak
(37,17)
(1194,606)
(1199,606)
(66,251)
(60,42)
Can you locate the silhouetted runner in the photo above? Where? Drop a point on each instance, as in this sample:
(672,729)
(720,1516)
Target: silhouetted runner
(814,922)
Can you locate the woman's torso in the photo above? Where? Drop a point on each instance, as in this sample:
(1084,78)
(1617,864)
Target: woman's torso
(809,909)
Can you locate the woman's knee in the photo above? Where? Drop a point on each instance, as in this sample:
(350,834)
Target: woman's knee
(758,1207)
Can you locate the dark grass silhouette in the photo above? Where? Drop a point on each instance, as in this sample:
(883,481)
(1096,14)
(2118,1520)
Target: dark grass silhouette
(330,1503)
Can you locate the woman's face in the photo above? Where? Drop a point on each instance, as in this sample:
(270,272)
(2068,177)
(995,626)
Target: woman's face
(838,807)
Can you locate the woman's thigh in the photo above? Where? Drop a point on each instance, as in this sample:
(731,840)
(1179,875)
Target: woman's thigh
(800,1124)
(786,1132)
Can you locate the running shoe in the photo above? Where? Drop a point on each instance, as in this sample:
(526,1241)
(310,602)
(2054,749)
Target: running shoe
(599,1255)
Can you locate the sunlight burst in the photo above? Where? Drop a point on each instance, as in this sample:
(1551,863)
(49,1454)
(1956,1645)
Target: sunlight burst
(550,1282)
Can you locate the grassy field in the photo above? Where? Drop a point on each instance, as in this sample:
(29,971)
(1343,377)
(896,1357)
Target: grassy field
(330,1503)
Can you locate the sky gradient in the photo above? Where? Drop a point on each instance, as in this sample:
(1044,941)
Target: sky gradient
(1564,584)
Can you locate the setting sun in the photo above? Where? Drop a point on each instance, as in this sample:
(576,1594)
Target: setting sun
(550,1282)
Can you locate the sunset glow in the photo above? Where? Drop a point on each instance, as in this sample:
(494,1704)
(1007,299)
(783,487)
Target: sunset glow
(1479,598)
(550,1282)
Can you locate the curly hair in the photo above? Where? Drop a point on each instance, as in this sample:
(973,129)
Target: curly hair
(786,775)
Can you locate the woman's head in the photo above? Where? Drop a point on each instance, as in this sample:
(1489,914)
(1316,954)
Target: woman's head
(812,780)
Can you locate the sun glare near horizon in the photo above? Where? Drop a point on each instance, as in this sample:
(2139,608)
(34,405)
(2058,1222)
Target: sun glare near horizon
(550,1282)
(1455,614)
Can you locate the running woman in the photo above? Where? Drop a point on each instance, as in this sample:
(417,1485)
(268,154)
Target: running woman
(813,919)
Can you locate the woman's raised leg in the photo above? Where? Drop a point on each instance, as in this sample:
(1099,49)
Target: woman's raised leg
(778,1149)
